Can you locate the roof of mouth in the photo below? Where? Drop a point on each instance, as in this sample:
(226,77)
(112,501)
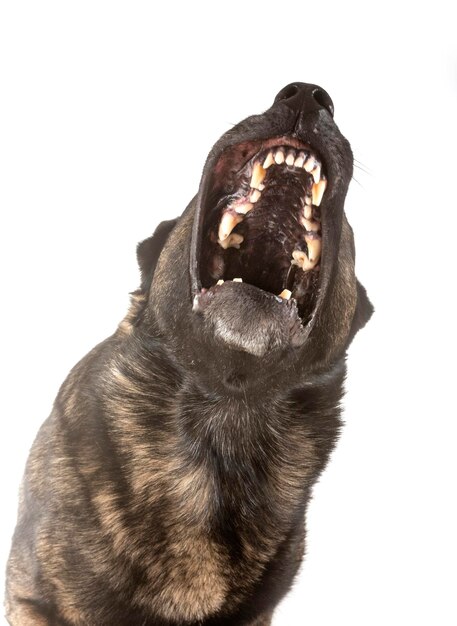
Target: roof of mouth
(266,225)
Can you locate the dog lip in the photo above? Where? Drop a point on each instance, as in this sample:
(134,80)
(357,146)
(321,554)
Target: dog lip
(246,308)
(205,295)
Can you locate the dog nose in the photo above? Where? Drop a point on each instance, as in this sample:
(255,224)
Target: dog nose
(305,98)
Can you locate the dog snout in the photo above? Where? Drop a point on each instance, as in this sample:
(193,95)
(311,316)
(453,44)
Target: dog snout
(305,98)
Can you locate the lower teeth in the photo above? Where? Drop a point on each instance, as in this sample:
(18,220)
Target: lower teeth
(285,294)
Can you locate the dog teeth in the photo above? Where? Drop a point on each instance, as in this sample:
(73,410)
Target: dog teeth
(308,211)
(300,258)
(279,157)
(318,191)
(242,209)
(255,195)
(234,240)
(290,158)
(258,174)
(220,282)
(310,225)
(268,161)
(309,164)
(314,249)
(300,160)
(228,222)
(316,173)
(285,294)
(237,280)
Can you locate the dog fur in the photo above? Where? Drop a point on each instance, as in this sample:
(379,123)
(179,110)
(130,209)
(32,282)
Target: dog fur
(170,483)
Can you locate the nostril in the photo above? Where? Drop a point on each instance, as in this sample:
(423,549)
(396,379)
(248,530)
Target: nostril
(324,100)
(304,98)
(288,92)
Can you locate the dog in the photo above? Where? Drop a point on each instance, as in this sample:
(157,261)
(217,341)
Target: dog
(169,485)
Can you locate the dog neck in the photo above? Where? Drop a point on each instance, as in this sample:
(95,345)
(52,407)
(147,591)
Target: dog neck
(267,448)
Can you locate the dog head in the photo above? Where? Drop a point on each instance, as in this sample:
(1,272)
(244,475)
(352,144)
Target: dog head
(256,280)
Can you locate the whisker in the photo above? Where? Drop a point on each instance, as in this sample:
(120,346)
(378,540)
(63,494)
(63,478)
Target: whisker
(358,182)
(364,168)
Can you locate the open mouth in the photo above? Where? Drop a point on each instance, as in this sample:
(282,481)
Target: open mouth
(263,221)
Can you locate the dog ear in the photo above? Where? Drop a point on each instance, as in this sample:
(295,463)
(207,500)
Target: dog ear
(363,311)
(148,252)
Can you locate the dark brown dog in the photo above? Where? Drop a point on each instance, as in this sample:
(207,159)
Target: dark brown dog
(170,483)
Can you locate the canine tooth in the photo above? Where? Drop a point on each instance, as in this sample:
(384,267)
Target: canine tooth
(258,174)
(255,195)
(310,225)
(316,173)
(300,258)
(279,157)
(318,191)
(237,280)
(316,199)
(308,211)
(244,208)
(269,160)
(309,164)
(232,241)
(261,187)
(300,160)
(308,200)
(314,249)
(290,158)
(228,222)
(220,282)
(285,294)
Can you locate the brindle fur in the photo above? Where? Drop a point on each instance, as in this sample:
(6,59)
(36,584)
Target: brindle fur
(170,483)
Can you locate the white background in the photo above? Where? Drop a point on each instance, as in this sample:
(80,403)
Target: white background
(107,112)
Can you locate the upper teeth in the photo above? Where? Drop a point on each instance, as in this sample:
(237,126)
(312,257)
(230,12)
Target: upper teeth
(309,162)
(279,157)
(290,158)
(228,222)
(269,160)
(301,259)
(310,225)
(235,212)
(243,208)
(314,248)
(295,158)
(258,174)
(299,160)
(318,191)
(316,172)
(255,195)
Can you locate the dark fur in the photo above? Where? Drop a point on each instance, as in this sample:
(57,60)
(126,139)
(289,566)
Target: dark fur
(170,483)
